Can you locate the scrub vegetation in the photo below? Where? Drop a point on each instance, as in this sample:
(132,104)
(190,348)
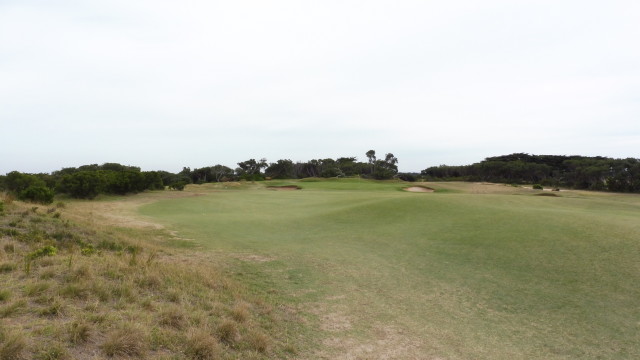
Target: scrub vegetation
(74,287)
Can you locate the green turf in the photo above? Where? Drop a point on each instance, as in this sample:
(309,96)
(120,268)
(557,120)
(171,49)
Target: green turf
(498,275)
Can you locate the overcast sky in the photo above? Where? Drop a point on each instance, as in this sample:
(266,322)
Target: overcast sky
(167,84)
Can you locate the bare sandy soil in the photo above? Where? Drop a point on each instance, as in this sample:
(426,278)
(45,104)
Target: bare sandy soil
(421,189)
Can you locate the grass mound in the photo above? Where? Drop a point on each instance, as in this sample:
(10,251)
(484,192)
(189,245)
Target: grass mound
(70,290)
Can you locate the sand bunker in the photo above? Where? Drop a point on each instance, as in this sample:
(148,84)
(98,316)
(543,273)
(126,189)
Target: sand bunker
(422,189)
(285,187)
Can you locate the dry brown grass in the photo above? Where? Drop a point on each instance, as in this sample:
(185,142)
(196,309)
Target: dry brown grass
(258,341)
(173,316)
(12,346)
(80,331)
(127,340)
(228,332)
(201,345)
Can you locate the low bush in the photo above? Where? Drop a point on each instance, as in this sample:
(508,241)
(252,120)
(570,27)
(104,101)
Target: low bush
(538,187)
(37,193)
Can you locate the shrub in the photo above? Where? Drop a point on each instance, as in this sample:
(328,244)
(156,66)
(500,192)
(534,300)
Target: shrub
(407,177)
(44,251)
(538,187)
(37,193)
(179,185)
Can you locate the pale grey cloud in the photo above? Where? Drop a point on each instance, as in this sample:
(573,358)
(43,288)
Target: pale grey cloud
(162,84)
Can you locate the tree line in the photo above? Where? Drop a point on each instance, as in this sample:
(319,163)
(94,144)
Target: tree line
(577,172)
(88,181)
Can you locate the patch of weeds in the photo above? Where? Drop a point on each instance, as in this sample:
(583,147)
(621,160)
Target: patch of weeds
(43,251)
(201,346)
(125,341)
(61,205)
(88,251)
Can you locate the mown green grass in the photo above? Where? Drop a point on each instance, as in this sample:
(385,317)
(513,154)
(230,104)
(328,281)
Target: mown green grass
(470,271)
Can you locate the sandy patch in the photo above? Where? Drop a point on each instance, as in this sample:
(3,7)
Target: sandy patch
(335,322)
(387,342)
(422,189)
(254,258)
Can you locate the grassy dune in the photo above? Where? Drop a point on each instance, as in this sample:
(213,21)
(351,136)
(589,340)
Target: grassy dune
(85,280)
(469,271)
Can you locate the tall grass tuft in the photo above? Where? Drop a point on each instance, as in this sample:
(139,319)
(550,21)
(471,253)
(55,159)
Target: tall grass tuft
(12,346)
(228,332)
(173,317)
(240,312)
(200,345)
(79,332)
(127,340)
(258,341)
